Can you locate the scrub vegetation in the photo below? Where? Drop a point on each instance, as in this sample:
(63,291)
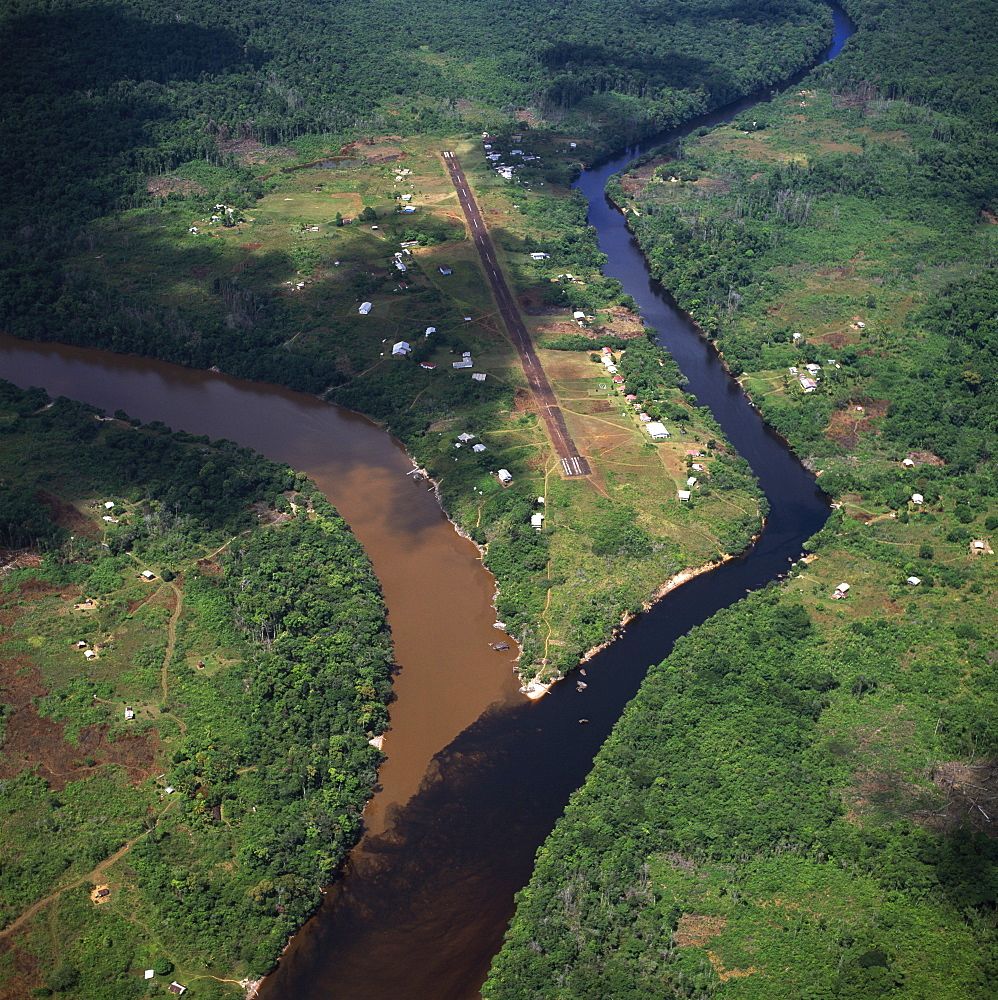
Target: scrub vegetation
(800,800)
(186,719)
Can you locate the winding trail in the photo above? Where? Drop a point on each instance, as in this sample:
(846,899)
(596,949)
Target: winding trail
(572,462)
(91,876)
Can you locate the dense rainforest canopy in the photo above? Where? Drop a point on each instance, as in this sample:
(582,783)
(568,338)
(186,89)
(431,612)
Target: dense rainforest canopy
(252,666)
(101,95)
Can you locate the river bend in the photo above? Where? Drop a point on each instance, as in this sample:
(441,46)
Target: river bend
(426,897)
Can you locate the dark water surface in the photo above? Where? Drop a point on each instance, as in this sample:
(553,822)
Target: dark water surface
(439,595)
(476,776)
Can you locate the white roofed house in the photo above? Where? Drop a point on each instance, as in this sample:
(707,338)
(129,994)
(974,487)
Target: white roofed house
(365,308)
(401,349)
(656,429)
(537,521)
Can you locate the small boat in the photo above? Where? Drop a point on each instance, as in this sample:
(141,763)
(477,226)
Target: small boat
(583,721)
(501,647)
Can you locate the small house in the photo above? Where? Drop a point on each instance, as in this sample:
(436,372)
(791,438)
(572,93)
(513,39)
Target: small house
(466,437)
(537,521)
(129,714)
(82,644)
(913,581)
(842,589)
(408,210)
(478,376)
(147,574)
(444,270)
(365,308)
(692,452)
(478,447)
(428,365)
(466,363)
(917,499)
(697,467)
(807,384)
(149,974)
(908,463)
(656,429)
(692,481)
(505,476)
(401,266)
(109,519)
(89,654)
(578,314)
(401,349)
(540,256)
(407,197)
(684,496)
(108,504)
(429,330)
(176,989)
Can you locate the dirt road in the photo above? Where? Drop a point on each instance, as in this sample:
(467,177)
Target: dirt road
(572,462)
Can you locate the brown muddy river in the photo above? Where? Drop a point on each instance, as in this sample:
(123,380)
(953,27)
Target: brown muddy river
(438,593)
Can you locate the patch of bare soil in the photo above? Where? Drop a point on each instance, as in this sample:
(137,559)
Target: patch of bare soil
(925,458)
(26,974)
(836,339)
(989,217)
(624,324)
(384,149)
(67,516)
(36,743)
(971,794)
(634,182)
(533,304)
(846,425)
(694,930)
(19,679)
(564,330)
(160,187)
(249,151)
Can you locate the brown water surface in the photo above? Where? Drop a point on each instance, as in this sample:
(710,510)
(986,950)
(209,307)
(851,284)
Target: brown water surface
(439,595)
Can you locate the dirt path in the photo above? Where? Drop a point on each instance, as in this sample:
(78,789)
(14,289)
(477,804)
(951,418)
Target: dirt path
(93,877)
(572,462)
(171,637)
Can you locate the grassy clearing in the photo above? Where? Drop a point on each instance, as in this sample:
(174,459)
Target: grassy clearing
(287,265)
